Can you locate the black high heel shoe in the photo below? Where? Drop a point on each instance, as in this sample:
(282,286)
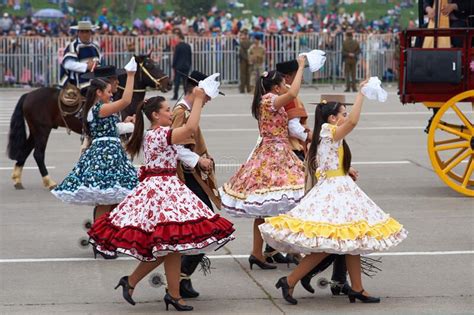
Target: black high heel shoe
(175,302)
(105,256)
(253,260)
(339,288)
(126,289)
(285,290)
(353,295)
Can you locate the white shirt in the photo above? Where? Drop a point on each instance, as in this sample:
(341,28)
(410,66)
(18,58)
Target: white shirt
(297,130)
(185,155)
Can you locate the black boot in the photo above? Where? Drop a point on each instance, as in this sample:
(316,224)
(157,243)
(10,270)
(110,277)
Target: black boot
(339,276)
(189,264)
(274,256)
(323,265)
(186,289)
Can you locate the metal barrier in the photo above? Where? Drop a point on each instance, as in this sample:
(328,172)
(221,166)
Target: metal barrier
(35,60)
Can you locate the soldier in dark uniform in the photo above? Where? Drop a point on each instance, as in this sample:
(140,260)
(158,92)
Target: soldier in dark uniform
(182,60)
(200,178)
(244,46)
(350,53)
(80,56)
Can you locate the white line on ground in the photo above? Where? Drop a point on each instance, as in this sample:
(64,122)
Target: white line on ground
(9,168)
(43,260)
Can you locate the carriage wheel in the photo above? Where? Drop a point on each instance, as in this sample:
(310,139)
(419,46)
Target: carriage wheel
(451,143)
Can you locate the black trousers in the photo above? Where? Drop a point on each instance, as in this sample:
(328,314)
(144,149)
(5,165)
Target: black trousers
(178,78)
(189,263)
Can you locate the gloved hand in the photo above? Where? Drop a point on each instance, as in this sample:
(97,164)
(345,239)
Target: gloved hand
(373,90)
(131,65)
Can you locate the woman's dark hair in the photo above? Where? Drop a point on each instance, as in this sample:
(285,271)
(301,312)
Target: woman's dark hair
(323,111)
(149,106)
(264,84)
(91,96)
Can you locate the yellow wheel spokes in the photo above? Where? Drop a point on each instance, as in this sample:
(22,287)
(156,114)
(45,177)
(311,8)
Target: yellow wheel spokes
(453,130)
(468,173)
(463,118)
(456,162)
(453,157)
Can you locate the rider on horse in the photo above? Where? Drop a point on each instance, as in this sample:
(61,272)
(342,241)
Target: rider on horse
(80,56)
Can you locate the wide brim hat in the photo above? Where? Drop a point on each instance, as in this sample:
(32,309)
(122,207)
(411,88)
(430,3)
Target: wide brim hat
(337,98)
(195,77)
(287,67)
(84,26)
(103,72)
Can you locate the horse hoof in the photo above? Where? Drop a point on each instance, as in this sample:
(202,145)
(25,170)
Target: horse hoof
(18,186)
(52,187)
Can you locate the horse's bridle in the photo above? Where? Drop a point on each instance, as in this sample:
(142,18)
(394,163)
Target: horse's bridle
(152,78)
(156,81)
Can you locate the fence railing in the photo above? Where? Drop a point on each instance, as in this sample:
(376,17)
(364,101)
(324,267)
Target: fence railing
(36,60)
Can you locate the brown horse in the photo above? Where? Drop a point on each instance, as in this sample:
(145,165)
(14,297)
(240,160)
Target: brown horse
(41,111)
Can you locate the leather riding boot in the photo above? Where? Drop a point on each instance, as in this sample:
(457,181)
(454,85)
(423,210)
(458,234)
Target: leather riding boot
(189,264)
(339,276)
(323,265)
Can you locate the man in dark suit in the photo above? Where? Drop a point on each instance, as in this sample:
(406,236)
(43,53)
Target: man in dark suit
(182,60)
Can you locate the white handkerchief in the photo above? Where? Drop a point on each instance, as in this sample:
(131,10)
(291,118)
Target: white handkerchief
(316,59)
(373,90)
(131,65)
(210,85)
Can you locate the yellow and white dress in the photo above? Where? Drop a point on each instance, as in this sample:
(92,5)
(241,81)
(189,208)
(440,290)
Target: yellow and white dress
(336,216)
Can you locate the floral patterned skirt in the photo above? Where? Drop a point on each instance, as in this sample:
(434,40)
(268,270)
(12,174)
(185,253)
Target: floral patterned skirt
(336,216)
(160,216)
(271,182)
(103,176)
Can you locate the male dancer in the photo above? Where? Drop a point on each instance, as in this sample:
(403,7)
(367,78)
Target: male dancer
(199,177)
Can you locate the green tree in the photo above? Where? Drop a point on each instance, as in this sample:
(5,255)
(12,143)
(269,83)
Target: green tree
(124,9)
(86,7)
(194,7)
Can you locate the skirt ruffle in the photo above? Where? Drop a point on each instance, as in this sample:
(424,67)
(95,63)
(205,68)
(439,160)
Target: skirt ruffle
(93,195)
(288,234)
(190,237)
(259,204)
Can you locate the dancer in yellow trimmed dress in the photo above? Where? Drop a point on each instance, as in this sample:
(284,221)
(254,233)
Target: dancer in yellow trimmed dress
(336,216)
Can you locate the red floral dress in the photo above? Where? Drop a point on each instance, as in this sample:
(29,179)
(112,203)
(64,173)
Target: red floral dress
(161,215)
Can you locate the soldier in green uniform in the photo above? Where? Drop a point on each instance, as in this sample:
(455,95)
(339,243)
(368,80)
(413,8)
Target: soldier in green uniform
(350,52)
(244,46)
(256,60)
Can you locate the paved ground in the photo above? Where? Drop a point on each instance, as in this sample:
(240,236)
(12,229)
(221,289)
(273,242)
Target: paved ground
(44,271)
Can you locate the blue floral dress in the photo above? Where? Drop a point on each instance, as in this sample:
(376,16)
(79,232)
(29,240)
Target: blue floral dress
(103,175)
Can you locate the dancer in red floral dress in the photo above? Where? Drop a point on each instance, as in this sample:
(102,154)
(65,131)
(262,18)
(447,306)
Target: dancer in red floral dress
(161,219)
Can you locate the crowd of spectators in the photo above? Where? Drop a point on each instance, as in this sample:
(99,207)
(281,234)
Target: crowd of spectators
(215,22)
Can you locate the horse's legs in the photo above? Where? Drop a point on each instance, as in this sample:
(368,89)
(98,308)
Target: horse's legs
(41,141)
(17,171)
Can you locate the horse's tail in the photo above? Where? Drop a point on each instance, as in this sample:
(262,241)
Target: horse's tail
(17,134)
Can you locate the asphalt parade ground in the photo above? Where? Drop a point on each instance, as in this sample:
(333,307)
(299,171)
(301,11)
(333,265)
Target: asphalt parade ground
(43,270)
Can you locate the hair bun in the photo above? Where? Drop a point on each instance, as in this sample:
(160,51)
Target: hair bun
(265,74)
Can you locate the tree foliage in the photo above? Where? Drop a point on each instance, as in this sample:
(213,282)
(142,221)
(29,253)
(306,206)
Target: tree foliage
(193,8)
(124,8)
(86,7)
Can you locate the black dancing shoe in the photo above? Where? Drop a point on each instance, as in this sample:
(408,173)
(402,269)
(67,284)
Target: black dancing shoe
(175,302)
(338,288)
(285,290)
(105,256)
(306,283)
(353,295)
(126,289)
(253,260)
(186,289)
